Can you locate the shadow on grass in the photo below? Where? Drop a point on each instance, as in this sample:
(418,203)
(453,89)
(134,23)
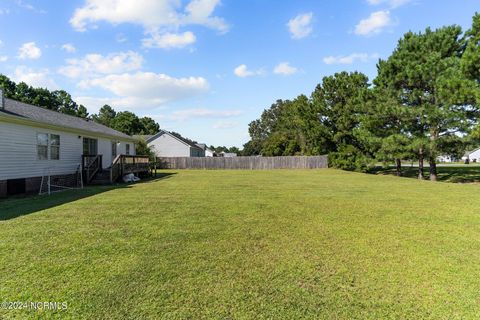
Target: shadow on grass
(453,173)
(15,207)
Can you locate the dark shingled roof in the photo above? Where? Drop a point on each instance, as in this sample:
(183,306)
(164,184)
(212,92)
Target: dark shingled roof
(34,113)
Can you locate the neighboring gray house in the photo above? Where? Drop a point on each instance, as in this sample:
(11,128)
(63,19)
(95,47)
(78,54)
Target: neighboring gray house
(208,152)
(472,156)
(34,140)
(165,144)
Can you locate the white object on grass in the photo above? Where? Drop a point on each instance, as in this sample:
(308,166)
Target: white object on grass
(130,178)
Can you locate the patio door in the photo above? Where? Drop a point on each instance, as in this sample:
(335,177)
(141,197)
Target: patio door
(90,147)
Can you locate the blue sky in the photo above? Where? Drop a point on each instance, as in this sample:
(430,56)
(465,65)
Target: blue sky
(204,68)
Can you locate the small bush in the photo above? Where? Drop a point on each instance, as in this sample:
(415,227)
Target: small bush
(350,159)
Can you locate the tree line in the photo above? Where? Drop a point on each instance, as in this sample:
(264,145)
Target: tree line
(423,103)
(61,101)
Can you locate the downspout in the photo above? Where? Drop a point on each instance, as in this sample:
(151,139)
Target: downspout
(2,100)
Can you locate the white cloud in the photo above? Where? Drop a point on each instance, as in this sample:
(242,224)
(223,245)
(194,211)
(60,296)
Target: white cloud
(147,89)
(169,40)
(375,23)
(148,13)
(28,6)
(200,12)
(300,26)
(186,114)
(391,3)
(97,64)
(29,50)
(351,58)
(242,71)
(158,17)
(35,78)
(285,68)
(3,58)
(224,124)
(68,47)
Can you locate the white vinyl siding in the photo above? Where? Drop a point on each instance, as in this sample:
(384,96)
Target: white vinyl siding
(475,156)
(19,154)
(167,146)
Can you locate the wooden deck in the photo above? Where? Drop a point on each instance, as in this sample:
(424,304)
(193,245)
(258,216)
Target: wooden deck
(121,165)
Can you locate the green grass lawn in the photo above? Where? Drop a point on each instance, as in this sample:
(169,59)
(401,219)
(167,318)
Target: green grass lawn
(247,245)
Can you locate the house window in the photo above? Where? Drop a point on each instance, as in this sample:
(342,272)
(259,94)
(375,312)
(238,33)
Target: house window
(127,149)
(42,146)
(90,147)
(114,149)
(48,145)
(54,147)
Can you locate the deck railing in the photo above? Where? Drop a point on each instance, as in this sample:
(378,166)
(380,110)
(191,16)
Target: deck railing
(91,164)
(125,164)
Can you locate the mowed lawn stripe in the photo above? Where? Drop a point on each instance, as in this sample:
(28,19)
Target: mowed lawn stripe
(247,245)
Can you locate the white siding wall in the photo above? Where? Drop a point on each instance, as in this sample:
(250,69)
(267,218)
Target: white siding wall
(18,152)
(475,155)
(167,146)
(105,149)
(122,148)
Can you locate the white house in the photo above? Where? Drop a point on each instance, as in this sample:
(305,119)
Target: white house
(208,152)
(165,144)
(228,154)
(35,140)
(446,159)
(473,156)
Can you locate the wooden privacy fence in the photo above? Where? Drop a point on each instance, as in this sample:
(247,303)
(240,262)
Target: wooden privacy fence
(246,163)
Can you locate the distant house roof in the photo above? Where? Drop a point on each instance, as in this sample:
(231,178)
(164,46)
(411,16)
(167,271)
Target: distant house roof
(204,147)
(162,132)
(23,111)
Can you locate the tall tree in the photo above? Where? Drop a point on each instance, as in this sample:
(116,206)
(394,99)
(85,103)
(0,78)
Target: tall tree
(470,65)
(64,102)
(382,129)
(127,122)
(9,87)
(423,72)
(149,126)
(82,112)
(24,93)
(42,97)
(340,101)
(105,116)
